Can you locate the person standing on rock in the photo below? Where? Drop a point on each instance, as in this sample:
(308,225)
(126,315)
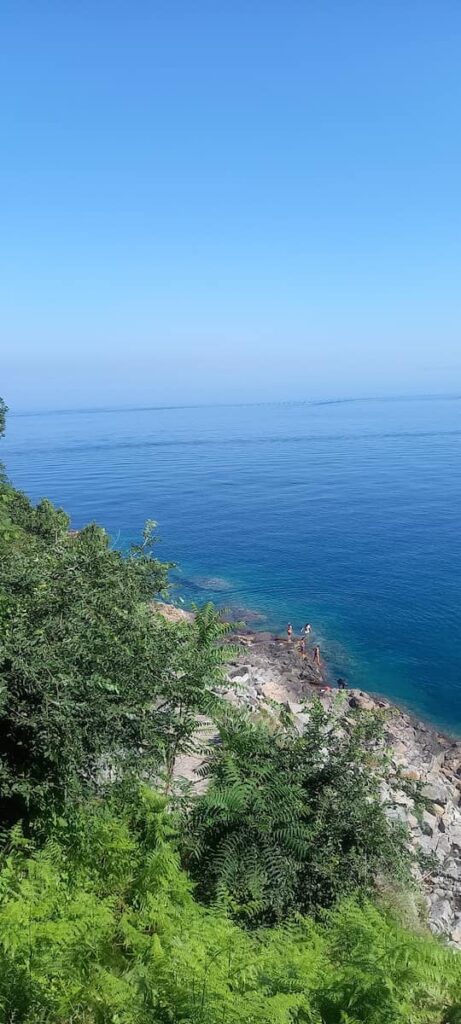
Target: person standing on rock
(302,647)
(289,631)
(317,656)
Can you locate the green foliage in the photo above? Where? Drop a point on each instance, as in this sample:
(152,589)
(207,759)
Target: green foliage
(91,681)
(3,412)
(101,926)
(291,823)
(186,687)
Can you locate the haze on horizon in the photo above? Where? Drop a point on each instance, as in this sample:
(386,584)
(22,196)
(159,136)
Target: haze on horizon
(229,202)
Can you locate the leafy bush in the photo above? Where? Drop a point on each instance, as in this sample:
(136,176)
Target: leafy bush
(91,681)
(101,927)
(291,823)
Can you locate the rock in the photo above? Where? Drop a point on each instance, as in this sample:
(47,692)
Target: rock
(426,844)
(410,774)
(455,930)
(429,824)
(452,869)
(399,754)
(362,702)
(441,915)
(232,697)
(455,935)
(436,793)
(239,675)
(454,838)
(438,810)
(397,815)
(300,722)
(443,846)
(384,792)
(402,799)
(293,708)
(412,821)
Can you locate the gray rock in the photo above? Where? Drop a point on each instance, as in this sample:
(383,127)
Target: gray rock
(293,707)
(397,814)
(300,723)
(427,844)
(441,915)
(384,792)
(454,838)
(443,845)
(437,793)
(429,824)
(452,869)
(239,675)
(402,799)
(232,697)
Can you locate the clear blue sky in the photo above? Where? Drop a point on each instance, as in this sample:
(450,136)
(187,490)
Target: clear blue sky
(224,200)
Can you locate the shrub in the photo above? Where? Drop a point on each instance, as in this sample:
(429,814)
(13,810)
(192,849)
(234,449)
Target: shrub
(291,823)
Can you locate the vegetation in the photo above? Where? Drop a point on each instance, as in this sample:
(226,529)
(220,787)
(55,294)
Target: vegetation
(85,662)
(101,926)
(291,823)
(3,412)
(125,902)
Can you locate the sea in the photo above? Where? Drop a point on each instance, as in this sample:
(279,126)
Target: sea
(344,514)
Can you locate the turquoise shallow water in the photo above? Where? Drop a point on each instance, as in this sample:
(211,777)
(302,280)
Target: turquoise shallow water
(345,514)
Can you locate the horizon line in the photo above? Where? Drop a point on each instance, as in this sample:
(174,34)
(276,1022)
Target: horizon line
(82,410)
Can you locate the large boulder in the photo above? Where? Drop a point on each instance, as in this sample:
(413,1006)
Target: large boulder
(435,792)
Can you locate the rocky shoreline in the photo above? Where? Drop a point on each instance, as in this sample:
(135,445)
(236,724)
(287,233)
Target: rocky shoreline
(422,785)
(422,788)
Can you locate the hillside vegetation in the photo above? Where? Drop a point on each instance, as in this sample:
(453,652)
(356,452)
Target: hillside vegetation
(125,899)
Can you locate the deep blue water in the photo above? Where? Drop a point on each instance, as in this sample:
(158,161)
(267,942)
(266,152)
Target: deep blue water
(344,514)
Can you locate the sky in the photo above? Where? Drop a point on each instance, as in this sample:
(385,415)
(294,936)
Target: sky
(243,200)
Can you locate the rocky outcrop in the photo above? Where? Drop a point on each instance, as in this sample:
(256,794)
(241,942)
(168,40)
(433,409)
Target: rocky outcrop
(422,784)
(422,788)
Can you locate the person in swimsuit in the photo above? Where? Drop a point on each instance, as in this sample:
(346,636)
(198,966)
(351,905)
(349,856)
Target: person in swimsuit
(317,656)
(302,647)
(289,631)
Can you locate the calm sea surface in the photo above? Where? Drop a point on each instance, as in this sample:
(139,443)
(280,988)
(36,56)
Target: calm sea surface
(344,514)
